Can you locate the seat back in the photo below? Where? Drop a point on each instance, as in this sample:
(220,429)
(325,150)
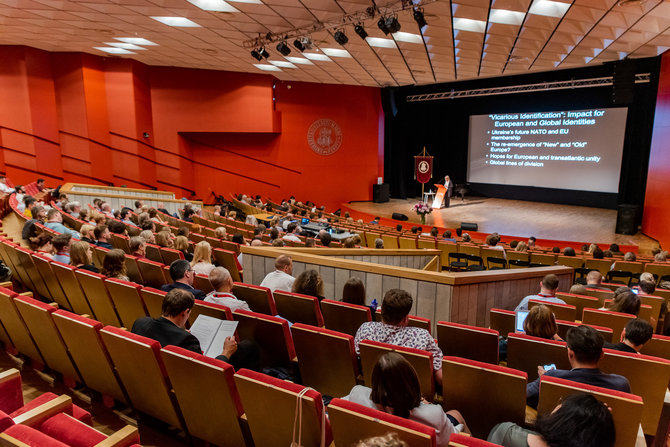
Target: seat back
(423,242)
(258,298)
(390,241)
(38,320)
(270,333)
(660,269)
(56,293)
(542,258)
(133,269)
(570,261)
(626,408)
(152,273)
(212,397)
(213,310)
(153,300)
(485,394)
(68,281)
(503,321)
(658,346)
(648,377)
(26,262)
(298,308)
(580,302)
(93,285)
(327,359)
(127,300)
(655,302)
(602,265)
(170,255)
(469,249)
(422,361)
(153,253)
(270,408)
(561,311)
(139,366)
(16,327)
(121,242)
(563,327)
(99,256)
(352,422)
(446,248)
(201,282)
(404,243)
(525,353)
(227,259)
(629,266)
(472,342)
(600,294)
(614,320)
(459,440)
(344,317)
(82,338)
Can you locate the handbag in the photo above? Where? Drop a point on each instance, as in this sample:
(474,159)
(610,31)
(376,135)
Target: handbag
(297,421)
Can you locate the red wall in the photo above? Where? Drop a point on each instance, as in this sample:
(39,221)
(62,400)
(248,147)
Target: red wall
(78,117)
(656,217)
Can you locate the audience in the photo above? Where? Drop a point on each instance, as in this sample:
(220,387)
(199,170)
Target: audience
(594,279)
(548,289)
(182,276)
(353,291)
(114,266)
(81,256)
(309,283)
(634,336)
(223,287)
(164,239)
(61,245)
(569,251)
(138,247)
(148,236)
(626,302)
(585,349)
(55,222)
(181,244)
(43,245)
(202,258)
(395,389)
(102,236)
(379,243)
(280,278)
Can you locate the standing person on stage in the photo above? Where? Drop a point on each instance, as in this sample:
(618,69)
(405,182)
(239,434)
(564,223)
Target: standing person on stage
(450,188)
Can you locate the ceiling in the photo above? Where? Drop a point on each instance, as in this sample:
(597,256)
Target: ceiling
(464,39)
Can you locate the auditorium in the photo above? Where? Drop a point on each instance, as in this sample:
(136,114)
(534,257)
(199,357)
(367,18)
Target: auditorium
(334,223)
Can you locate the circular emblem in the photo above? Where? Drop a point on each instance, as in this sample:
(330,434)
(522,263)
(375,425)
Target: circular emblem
(423,167)
(324,136)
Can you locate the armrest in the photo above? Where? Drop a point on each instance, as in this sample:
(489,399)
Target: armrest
(40,414)
(10,390)
(128,435)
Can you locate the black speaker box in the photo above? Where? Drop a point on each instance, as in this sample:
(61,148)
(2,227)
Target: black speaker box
(399,216)
(626,219)
(380,193)
(469,226)
(623,82)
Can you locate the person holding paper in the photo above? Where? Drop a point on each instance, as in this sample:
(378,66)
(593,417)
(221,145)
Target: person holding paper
(222,294)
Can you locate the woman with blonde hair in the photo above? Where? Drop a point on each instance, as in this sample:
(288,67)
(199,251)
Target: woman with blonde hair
(81,256)
(114,265)
(221,233)
(87,234)
(181,244)
(522,247)
(202,258)
(164,239)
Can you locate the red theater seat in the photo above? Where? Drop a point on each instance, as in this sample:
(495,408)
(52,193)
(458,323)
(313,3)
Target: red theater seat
(466,341)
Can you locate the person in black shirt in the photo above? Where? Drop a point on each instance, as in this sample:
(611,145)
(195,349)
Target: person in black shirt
(182,274)
(633,337)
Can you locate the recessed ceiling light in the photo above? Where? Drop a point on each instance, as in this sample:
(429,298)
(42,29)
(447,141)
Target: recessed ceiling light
(506,17)
(316,56)
(136,41)
(299,60)
(475,26)
(549,8)
(336,52)
(380,42)
(267,67)
(283,64)
(213,5)
(125,46)
(407,37)
(114,50)
(177,21)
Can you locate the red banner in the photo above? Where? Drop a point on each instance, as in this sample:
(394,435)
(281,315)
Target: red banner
(423,168)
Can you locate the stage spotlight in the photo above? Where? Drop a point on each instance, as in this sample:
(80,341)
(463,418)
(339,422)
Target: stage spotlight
(306,43)
(341,38)
(360,31)
(392,24)
(256,55)
(298,45)
(419,18)
(283,48)
(382,25)
(263,52)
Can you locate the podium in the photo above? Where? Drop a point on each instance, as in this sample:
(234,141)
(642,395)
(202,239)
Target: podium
(439,196)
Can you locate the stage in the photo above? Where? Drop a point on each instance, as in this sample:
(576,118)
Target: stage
(518,218)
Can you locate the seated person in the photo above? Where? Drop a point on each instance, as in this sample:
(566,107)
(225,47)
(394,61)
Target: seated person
(138,247)
(43,244)
(579,420)
(202,258)
(393,329)
(540,322)
(585,349)
(280,278)
(102,236)
(81,256)
(548,289)
(182,274)
(223,287)
(625,301)
(55,222)
(396,390)
(353,292)
(594,280)
(309,283)
(181,244)
(114,265)
(634,336)
(61,244)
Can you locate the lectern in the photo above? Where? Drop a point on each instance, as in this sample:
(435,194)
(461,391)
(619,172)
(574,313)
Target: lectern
(439,196)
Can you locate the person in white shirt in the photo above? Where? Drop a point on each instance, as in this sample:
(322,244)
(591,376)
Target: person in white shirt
(548,289)
(4,187)
(292,229)
(281,278)
(222,294)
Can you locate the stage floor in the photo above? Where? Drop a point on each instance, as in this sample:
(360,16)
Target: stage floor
(519,218)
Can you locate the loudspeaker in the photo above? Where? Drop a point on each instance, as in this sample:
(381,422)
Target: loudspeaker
(380,193)
(623,82)
(469,226)
(626,219)
(399,216)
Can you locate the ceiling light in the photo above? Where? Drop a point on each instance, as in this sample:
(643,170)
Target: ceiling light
(381,23)
(380,42)
(341,38)
(476,26)
(114,50)
(506,17)
(316,56)
(299,60)
(336,52)
(125,46)
(549,8)
(213,5)
(306,42)
(283,64)
(392,24)
(263,52)
(283,48)
(419,18)
(407,37)
(360,31)
(298,45)
(256,55)
(177,21)
(267,67)
(136,41)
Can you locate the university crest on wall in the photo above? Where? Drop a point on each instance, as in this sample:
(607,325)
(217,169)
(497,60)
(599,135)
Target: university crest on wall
(324,136)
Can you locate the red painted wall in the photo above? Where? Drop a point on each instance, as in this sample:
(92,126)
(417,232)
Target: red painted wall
(78,117)
(656,217)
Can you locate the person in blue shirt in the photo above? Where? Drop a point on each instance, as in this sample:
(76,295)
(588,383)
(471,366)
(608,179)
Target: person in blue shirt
(61,243)
(55,222)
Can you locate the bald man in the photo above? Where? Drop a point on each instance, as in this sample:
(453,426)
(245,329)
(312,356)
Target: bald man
(281,278)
